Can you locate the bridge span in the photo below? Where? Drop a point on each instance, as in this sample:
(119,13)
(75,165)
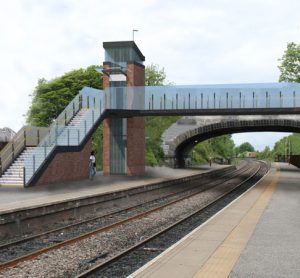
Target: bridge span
(181,137)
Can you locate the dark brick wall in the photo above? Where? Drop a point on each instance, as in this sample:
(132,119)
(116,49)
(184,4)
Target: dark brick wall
(135,146)
(135,127)
(135,75)
(67,166)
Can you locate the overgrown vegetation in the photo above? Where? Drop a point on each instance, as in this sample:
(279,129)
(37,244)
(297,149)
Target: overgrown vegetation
(290,64)
(155,126)
(50,97)
(289,72)
(221,147)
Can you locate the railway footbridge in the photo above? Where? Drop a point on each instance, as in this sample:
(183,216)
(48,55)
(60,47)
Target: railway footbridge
(60,152)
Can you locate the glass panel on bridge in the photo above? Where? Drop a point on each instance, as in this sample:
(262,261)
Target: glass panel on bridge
(267,95)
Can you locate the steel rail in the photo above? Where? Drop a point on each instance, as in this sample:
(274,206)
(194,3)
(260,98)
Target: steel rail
(86,221)
(35,254)
(103,265)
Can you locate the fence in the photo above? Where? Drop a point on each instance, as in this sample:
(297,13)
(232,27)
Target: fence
(27,136)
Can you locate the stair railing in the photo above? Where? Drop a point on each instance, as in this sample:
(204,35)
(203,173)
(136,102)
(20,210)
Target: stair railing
(61,134)
(27,136)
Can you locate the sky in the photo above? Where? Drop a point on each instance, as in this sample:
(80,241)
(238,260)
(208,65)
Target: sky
(196,42)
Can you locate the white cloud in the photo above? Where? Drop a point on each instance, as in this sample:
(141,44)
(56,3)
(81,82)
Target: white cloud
(197,42)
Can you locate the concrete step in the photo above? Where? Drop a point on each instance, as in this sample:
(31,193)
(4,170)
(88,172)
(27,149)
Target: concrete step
(20,162)
(14,168)
(41,152)
(20,180)
(14,178)
(13,172)
(13,175)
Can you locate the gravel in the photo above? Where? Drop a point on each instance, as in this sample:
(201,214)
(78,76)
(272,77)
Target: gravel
(71,260)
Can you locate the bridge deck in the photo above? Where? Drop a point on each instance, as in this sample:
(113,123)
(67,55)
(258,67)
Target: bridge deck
(256,236)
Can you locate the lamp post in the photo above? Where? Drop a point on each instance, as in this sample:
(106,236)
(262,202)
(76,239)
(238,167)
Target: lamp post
(134,30)
(193,157)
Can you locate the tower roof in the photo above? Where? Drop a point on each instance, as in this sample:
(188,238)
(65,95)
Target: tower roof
(124,45)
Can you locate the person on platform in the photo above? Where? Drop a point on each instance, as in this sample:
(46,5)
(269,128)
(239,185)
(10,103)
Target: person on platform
(92,165)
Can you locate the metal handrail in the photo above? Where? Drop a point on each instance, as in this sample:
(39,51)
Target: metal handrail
(68,113)
(61,134)
(12,149)
(26,136)
(20,140)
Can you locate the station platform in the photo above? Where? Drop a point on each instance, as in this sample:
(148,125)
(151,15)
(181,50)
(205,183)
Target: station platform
(257,235)
(16,198)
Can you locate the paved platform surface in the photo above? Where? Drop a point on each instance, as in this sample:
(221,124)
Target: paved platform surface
(13,198)
(258,235)
(274,248)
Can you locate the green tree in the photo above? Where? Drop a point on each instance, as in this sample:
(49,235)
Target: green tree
(150,158)
(290,144)
(265,154)
(202,152)
(154,76)
(221,146)
(289,72)
(290,64)
(244,147)
(51,97)
(97,145)
(156,125)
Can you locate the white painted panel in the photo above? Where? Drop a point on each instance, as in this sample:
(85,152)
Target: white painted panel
(117,77)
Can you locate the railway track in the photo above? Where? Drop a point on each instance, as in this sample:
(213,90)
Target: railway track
(22,223)
(155,244)
(29,247)
(229,182)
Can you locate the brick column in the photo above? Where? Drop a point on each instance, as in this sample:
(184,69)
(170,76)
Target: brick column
(135,126)
(123,139)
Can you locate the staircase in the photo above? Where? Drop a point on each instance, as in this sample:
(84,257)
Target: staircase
(69,129)
(13,176)
(76,120)
(69,135)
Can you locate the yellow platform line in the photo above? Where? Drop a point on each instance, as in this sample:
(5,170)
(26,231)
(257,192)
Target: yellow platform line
(222,261)
(11,184)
